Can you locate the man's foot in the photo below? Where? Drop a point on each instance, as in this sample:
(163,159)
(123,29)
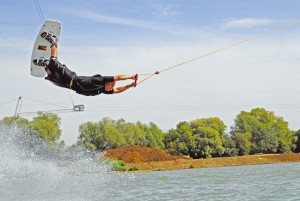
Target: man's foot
(41,62)
(50,37)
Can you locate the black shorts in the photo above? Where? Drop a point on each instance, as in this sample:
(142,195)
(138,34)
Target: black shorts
(92,85)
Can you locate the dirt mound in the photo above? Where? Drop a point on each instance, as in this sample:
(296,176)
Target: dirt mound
(138,154)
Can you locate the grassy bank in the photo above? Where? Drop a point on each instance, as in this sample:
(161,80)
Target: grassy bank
(215,162)
(138,158)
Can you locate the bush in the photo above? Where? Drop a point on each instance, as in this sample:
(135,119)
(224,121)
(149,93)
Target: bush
(118,166)
(134,168)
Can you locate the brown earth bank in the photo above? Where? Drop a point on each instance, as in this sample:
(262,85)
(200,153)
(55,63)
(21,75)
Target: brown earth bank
(149,159)
(139,154)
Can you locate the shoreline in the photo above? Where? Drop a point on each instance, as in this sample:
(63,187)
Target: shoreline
(179,164)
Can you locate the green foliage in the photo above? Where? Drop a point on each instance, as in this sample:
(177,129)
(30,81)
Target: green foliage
(180,141)
(118,166)
(154,136)
(134,168)
(19,121)
(102,135)
(243,143)
(47,125)
(260,131)
(198,138)
(257,131)
(230,146)
(108,134)
(297,142)
(209,135)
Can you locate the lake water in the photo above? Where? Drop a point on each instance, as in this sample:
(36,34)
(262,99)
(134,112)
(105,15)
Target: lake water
(34,176)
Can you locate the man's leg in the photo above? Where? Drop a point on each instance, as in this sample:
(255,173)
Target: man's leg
(125,77)
(53,40)
(54,52)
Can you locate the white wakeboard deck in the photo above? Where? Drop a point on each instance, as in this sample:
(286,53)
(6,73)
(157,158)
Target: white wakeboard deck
(42,49)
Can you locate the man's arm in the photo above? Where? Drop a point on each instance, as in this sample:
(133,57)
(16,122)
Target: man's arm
(124,88)
(124,77)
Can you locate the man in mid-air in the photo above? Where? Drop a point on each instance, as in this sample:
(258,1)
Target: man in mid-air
(61,76)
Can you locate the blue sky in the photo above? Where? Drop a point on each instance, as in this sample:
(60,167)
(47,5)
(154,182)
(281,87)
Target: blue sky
(141,36)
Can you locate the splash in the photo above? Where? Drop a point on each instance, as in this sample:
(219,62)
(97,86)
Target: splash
(30,169)
(24,154)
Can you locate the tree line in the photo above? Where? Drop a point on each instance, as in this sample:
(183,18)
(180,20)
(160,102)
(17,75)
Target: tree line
(257,131)
(45,125)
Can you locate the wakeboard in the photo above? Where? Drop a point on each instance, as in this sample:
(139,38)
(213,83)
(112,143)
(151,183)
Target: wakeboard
(42,48)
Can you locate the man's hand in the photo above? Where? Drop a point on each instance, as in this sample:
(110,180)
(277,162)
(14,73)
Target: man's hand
(124,88)
(134,77)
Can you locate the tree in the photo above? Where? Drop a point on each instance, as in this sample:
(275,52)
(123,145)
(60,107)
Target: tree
(297,141)
(139,134)
(267,132)
(37,137)
(209,134)
(154,136)
(88,135)
(19,121)
(199,138)
(102,135)
(180,141)
(47,126)
(286,137)
(229,146)
(243,143)
(108,134)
